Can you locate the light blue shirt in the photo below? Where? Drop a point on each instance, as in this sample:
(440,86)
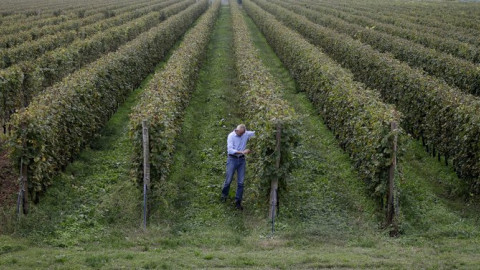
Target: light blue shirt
(237,143)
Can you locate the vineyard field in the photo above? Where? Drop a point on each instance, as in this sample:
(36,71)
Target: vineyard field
(115,116)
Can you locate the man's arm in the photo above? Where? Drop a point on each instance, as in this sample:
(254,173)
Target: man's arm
(230,149)
(250,134)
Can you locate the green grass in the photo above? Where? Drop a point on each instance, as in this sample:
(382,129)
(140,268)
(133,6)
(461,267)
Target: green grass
(254,252)
(90,217)
(430,201)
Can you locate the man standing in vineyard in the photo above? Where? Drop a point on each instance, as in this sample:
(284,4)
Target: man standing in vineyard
(236,148)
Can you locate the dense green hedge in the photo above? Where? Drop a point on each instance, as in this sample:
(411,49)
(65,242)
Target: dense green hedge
(419,34)
(48,18)
(20,83)
(36,48)
(59,122)
(35,33)
(357,116)
(31,50)
(15,39)
(82,27)
(126,17)
(264,108)
(437,13)
(422,23)
(460,34)
(457,15)
(455,71)
(166,96)
(446,119)
(38,23)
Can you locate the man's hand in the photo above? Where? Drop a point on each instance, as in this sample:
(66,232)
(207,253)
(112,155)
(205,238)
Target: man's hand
(246,151)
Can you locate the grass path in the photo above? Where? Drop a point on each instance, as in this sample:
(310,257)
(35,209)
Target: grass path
(191,194)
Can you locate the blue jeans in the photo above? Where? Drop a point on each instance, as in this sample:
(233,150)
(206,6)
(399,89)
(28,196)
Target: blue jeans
(234,164)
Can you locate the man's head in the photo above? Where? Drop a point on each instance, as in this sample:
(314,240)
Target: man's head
(240,129)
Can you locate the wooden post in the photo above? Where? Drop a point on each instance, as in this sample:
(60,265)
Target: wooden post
(146,170)
(391,210)
(4,125)
(22,200)
(274,183)
(20,189)
(24,177)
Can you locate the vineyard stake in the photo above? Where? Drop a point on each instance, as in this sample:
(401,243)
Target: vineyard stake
(22,200)
(274,183)
(391,209)
(146,170)
(273,215)
(21,191)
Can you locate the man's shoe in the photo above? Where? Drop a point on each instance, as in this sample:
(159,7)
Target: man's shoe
(238,205)
(223,199)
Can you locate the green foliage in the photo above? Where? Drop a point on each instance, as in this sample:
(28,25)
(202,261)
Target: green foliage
(264,108)
(108,13)
(57,12)
(436,38)
(6,13)
(32,13)
(457,72)
(81,13)
(54,128)
(20,83)
(357,116)
(30,50)
(454,19)
(90,24)
(19,22)
(446,119)
(166,97)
